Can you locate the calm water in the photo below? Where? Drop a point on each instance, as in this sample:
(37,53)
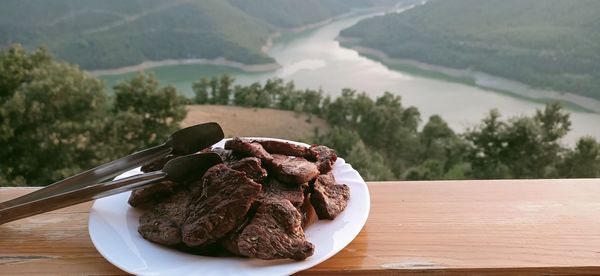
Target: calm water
(314,59)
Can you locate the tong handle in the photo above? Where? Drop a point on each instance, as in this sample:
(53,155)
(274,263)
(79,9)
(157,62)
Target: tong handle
(98,174)
(69,198)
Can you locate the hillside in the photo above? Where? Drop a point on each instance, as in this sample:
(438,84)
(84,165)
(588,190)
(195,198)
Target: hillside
(294,13)
(113,33)
(244,121)
(549,44)
(102,34)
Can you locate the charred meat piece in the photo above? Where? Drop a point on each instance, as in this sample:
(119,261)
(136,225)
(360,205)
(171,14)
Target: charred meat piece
(248,148)
(292,169)
(230,242)
(275,232)
(221,206)
(157,164)
(325,157)
(143,197)
(147,196)
(329,198)
(309,216)
(285,148)
(251,166)
(162,223)
(274,189)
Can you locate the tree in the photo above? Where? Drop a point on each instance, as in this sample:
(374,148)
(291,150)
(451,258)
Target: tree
(435,137)
(160,109)
(16,67)
(225,91)
(554,121)
(369,163)
(555,124)
(274,88)
(49,112)
(583,161)
(213,97)
(523,147)
(201,93)
(56,120)
(486,147)
(524,150)
(389,127)
(429,170)
(342,140)
(349,109)
(311,100)
(439,142)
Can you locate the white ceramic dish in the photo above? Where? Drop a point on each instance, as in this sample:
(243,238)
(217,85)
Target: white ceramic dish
(113,229)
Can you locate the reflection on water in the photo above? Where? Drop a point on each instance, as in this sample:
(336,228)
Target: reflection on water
(307,64)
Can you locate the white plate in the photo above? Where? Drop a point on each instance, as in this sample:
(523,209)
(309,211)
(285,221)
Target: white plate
(113,228)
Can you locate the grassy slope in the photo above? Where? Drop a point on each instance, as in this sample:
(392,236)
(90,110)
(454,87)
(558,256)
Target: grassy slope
(242,121)
(549,44)
(295,13)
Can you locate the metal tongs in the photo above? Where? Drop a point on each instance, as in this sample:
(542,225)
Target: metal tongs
(88,185)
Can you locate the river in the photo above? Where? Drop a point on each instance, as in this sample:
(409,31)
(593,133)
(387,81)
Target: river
(315,59)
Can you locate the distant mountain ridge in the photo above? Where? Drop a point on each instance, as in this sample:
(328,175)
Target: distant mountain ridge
(103,34)
(550,44)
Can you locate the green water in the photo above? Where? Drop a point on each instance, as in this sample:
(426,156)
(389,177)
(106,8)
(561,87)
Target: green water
(182,76)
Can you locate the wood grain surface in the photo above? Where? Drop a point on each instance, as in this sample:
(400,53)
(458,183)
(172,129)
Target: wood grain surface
(442,227)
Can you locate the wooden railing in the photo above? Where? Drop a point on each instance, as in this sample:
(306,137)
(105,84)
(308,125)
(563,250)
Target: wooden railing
(440,227)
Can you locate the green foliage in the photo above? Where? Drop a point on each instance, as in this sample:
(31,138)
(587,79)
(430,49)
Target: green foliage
(348,144)
(16,67)
(112,33)
(49,115)
(381,137)
(158,109)
(549,44)
(523,147)
(437,138)
(291,13)
(486,147)
(429,170)
(371,164)
(56,120)
(583,161)
(344,139)
(294,13)
(201,91)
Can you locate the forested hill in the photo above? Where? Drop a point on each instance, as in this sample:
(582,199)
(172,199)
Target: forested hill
(548,44)
(296,13)
(100,34)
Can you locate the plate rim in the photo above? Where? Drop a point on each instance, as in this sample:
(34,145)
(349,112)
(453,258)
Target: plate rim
(301,266)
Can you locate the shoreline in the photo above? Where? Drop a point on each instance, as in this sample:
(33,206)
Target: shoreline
(220,61)
(477,79)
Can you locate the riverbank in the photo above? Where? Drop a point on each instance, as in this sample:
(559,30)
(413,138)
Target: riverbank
(221,61)
(250,68)
(474,78)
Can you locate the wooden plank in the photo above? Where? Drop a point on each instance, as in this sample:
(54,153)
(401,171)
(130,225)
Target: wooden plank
(443,227)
